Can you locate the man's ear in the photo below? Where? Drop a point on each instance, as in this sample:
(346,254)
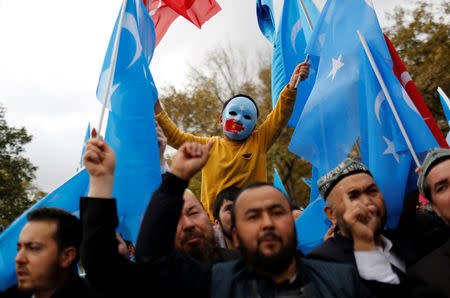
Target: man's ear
(329,212)
(67,256)
(220,120)
(235,238)
(217,224)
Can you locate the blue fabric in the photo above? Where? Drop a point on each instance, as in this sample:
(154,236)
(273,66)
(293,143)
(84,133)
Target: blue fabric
(278,183)
(383,147)
(289,50)
(446,107)
(136,46)
(311,226)
(265,18)
(329,125)
(67,197)
(131,128)
(86,137)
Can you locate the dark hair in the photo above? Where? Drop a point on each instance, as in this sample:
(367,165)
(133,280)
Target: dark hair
(68,230)
(230,194)
(241,95)
(253,185)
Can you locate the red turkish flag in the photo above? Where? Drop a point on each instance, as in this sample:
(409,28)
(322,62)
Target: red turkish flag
(164,12)
(403,76)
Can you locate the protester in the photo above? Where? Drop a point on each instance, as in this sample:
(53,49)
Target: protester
(356,205)
(430,277)
(239,158)
(165,271)
(222,213)
(264,232)
(47,256)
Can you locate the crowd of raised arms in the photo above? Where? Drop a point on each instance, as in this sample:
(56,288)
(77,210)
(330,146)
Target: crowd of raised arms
(239,239)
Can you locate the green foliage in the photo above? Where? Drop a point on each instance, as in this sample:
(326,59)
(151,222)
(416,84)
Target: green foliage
(196,109)
(16,172)
(421,37)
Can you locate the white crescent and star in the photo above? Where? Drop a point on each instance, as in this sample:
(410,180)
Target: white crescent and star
(378,101)
(337,64)
(391,149)
(130,24)
(409,102)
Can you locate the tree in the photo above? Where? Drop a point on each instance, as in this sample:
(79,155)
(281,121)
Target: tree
(196,109)
(16,172)
(421,37)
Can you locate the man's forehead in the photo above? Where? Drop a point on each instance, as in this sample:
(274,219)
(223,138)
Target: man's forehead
(38,231)
(261,197)
(191,201)
(353,182)
(439,171)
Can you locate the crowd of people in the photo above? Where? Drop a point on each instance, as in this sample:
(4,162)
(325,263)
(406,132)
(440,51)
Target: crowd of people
(239,240)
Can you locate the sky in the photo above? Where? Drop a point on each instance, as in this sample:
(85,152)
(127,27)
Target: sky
(51,55)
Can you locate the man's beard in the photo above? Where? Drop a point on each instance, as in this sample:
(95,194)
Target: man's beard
(274,264)
(226,234)
(206,253)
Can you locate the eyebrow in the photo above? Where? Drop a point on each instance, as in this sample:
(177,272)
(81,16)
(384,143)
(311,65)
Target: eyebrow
(271,207)
(440,182)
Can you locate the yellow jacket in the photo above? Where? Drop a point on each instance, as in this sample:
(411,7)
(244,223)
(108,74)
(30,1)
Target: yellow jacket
(234,163)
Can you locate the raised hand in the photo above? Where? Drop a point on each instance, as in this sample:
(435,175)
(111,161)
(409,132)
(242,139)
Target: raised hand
(301,71)
(190,158)
(100,162)
(362,221)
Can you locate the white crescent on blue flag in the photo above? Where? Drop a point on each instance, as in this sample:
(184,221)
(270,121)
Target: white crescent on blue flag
(66,197)
(130,132)
(329,125)
(136,46)
(289,44)
(383,147)
(131,128)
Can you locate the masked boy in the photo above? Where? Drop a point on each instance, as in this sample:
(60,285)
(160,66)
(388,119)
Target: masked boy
(239,158)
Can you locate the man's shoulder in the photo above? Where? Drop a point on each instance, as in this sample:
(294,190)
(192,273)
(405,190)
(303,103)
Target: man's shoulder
(337,249)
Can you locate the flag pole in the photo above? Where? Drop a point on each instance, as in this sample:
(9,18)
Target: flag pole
(388,97)
(311,26)
(112,67)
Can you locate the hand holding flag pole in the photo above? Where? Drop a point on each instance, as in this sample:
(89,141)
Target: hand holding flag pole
(311,25)
(112,68)
(388,97)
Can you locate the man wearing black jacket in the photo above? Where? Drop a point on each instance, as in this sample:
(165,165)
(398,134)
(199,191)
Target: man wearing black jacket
(166,272)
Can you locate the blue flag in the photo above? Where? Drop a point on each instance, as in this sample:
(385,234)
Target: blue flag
(383,147)
(131,128)
(329,125)
(312,225)
(136,46)
(66,197)
(278,183)
(293,32)
(86,137)
(265,18)
(446,107)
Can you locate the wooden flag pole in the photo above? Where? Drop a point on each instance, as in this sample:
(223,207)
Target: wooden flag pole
(112,67)
(388,97)
(311,26)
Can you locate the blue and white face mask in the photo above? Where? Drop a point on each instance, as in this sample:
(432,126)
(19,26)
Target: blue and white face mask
(239,118)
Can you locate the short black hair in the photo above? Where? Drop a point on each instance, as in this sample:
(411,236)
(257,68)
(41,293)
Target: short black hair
(241,95)
(253,185)
(68,230)
(230,194)
(426,185)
